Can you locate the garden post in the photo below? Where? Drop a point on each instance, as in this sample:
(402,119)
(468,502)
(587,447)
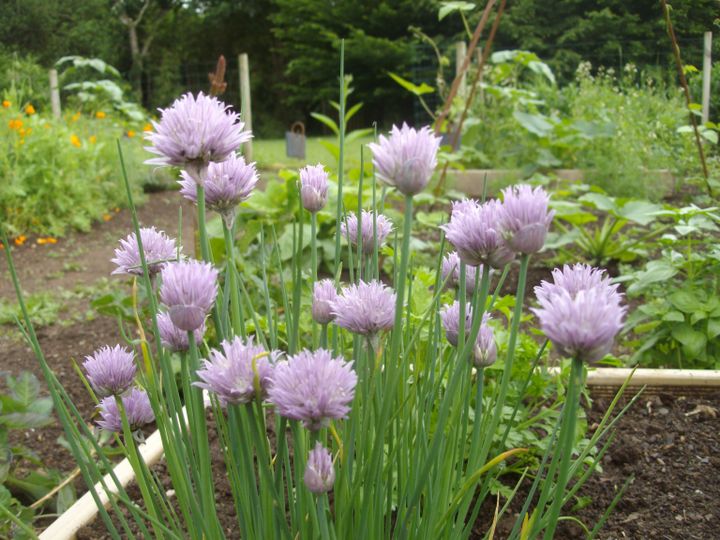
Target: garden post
(707,67)
(245,101)
(54,93)
(460,53)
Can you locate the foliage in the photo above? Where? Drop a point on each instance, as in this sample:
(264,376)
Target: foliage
(679,322)
(23,476)
(61,173)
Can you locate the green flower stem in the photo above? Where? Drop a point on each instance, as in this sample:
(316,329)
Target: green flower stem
(238,324)
(322,512)
(199,434)
(313,266)
(461,297)
(567,440)
(401,278)
(206,255)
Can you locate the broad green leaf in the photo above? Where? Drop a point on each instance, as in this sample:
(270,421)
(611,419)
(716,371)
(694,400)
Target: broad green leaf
(600,201)
(641,212)
(25,388)
(674,316)
(352,111)
(542,69)
(713,328)
(693,342)
(534,123)
(685,301)
(446,8)
(413,88)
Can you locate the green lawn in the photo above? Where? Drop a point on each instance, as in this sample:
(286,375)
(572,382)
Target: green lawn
(270,153)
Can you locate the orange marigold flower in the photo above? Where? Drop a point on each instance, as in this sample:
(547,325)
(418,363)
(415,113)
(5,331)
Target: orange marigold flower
(22,131)
(29,110)
(75,141)
(6,103)
(107,217)
(130,133)
(100,115)
(92,139)
(20,240)
(15,123)
(147,127)
(76,117)
(47,240)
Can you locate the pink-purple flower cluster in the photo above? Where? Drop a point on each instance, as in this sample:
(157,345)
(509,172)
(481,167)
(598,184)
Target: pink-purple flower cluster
(239,373)
(313,187)
(365,308)
(188,290)
(525,219)
(313,387)
(485,349)
(172,337)
(371,225)
(138,410)
(580,311)
(324,294)
(159,249)
(319,471)
(407,158)
(194,131)
(450,272)
(110,370)
(227,184)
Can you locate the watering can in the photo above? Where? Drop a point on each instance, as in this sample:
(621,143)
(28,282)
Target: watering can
(295,141)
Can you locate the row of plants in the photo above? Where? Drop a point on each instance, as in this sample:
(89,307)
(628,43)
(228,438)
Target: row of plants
(406,402)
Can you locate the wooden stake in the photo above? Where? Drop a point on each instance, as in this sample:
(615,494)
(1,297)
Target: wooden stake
(54,93)
(707,67)
(245,101)
(460,53)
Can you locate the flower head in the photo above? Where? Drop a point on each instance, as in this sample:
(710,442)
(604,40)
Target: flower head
(365,308)
(188,290)
(450,271)
(313,187)
(474,230)
(381,229)
(110,370)
(407,158)
(158,248)
(194,131)
(238,373)
(450,318)
(485,350)
(313,387)
(227,184)
(580,311)
(524,218)
(319,471)
(324,293)
(172,337)
(137,408)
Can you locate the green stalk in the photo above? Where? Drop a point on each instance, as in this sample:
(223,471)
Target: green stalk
(313,266)
(567,438)
(206,254)
(238,325)
(341,154)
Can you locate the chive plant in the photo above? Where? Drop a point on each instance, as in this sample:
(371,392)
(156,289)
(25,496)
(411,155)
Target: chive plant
(386,409)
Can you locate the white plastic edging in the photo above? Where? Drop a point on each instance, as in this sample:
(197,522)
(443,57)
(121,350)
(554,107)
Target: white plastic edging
(85,510)
(653,377)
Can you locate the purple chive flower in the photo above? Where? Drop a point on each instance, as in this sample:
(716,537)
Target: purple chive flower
(227,184)
(580,311)
(365,308)
(407,158)
(383,227)
(172,337)
(137,408)
(195,131)
(158,248)
(450,318)
(451,269)
(313,387)
(485,350)
(324,293)
(319,471)
(313,187)
(474,230)
(524,218)
(238,372)
(188,290)
(110,370)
